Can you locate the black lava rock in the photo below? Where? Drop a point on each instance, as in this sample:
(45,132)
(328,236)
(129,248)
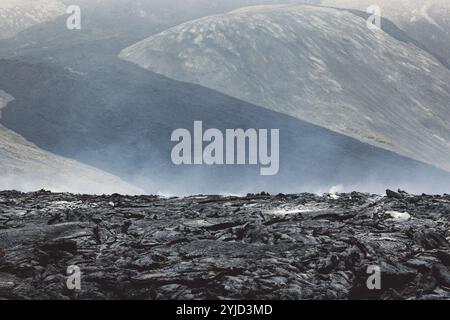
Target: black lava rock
(260,246)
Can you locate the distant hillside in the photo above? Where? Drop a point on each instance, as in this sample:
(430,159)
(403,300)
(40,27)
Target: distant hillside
(427,21)
(317,64)
(120,119)
(18,15)
(25,167)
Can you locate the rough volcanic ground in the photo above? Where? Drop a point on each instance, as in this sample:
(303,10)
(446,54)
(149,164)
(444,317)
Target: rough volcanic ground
(259,247)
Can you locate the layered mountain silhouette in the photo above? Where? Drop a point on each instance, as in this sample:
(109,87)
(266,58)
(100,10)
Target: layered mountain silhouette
(45,20)
(317,64)
(373,100)
(120,119)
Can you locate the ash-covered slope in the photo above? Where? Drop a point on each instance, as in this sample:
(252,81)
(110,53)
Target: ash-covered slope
(427,21)
(300,246)
(18,15)
(120,118)
(23,166)
(318,64)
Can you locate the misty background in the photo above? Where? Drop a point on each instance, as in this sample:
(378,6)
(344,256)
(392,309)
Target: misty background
(92,110)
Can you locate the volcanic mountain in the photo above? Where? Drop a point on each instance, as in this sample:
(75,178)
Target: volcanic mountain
(322,65)
(75,98)
(120,119)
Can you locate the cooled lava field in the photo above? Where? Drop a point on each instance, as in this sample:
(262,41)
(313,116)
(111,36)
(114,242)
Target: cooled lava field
(261,246)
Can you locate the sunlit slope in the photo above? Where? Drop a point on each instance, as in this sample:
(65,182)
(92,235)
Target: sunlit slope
(318,64)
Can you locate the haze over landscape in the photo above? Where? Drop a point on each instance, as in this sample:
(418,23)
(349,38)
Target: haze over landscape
(92,110)
(28,168)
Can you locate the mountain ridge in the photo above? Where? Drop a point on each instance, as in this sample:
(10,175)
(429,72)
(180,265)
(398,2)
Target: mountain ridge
(19,15)
(427,21)
(331,71)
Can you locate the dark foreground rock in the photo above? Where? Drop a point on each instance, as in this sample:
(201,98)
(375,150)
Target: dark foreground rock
(256,247)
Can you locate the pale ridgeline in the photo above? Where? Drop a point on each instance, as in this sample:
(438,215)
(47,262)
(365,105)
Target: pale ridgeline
(18,15)
(25,167)
(322,65)
(128,17)
(427,21)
